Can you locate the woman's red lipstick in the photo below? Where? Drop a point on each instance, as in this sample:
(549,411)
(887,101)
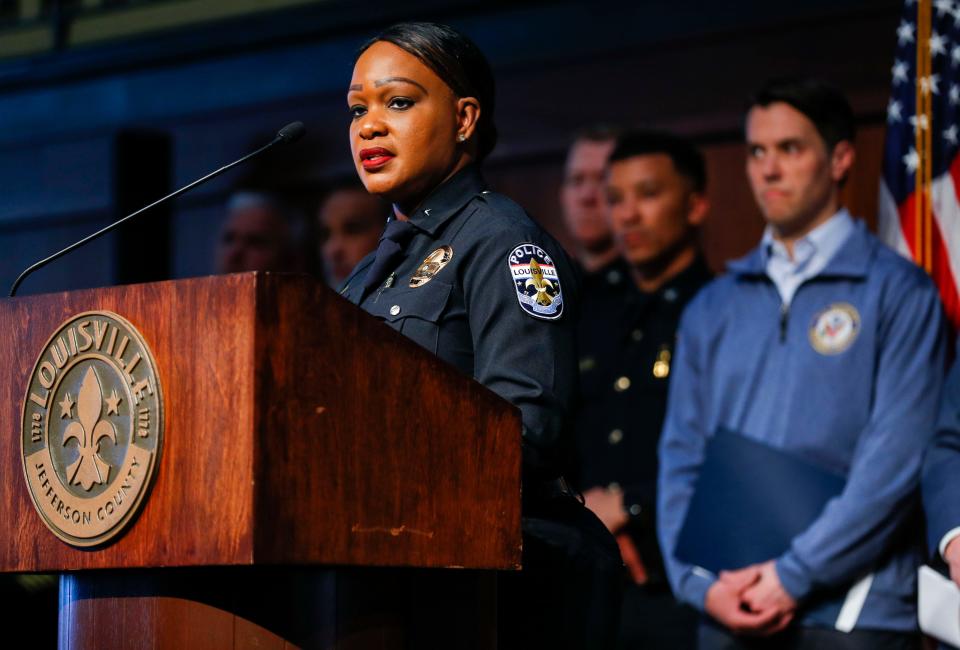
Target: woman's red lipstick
(375,158)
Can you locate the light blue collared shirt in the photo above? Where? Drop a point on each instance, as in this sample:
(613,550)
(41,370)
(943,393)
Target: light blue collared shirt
(811,253)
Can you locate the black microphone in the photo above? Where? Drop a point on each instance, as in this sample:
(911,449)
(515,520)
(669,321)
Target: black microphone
(291,132)
(288,134)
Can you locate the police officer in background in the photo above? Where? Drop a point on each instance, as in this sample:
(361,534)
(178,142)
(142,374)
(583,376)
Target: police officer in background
(349,223)
(260,233)
(654,193)
(583,202)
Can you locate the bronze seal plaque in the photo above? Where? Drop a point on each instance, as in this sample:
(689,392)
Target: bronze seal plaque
(92,428)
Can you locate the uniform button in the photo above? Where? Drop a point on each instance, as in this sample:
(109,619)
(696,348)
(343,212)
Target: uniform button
(613,277)
(636,335)
(670,295)
(615,436)
(635,509)
(622,384)
(395,310)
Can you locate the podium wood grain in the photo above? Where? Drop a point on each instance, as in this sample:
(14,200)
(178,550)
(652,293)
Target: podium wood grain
(299,430)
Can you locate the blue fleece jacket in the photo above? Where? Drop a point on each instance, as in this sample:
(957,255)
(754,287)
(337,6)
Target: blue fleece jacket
(940,482)
(849,377)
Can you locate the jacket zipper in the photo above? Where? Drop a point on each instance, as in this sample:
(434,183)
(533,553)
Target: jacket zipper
(784,320)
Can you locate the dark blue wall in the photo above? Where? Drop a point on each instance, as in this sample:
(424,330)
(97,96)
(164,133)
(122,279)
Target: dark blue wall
(221,90)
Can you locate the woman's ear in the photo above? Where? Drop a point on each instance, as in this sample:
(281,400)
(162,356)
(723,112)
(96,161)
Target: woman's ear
(468,116)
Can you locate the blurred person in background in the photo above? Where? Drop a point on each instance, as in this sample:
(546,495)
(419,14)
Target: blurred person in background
(349,223)
(941,480)
(260,233)
(654,197)
(582,200)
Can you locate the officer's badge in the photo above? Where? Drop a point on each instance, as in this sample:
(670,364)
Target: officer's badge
(661,367)
(431,266)
(536,281)
(835,328)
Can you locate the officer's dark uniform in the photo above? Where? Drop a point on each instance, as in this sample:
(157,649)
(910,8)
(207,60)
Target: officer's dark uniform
(513,329)
(626,339)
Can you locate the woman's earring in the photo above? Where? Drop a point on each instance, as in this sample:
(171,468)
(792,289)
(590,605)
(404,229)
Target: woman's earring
(461,138)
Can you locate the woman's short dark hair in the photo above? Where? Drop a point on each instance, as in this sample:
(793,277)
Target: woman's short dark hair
(457,61)
(686,158)
(821,103)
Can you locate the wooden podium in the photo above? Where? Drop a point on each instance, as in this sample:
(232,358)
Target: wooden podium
(310,453)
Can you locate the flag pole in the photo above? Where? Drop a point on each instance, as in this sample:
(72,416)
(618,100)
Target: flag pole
(923,174)
(928,149)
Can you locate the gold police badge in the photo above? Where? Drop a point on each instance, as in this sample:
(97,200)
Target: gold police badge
(92,428)
(431,266)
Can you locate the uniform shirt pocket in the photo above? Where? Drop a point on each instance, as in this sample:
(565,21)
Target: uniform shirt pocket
(416,313)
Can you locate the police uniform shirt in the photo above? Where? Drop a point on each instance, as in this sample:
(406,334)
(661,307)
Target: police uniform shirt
(626,339)
(484,288)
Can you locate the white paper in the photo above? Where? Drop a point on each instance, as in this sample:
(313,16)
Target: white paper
(939,605)
(853,604)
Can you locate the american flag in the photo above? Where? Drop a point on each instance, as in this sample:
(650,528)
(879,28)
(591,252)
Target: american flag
(919,200)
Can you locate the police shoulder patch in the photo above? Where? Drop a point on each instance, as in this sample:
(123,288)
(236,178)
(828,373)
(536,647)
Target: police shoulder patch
(536,281)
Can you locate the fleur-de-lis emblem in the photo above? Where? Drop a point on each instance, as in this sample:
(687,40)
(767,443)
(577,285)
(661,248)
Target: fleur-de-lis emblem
(540,283)
(89,468)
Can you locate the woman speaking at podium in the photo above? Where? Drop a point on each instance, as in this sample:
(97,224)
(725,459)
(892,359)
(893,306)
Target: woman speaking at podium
(468,275)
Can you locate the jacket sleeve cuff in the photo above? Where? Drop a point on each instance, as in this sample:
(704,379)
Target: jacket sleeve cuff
(794,577)
(946,539)
(694,587)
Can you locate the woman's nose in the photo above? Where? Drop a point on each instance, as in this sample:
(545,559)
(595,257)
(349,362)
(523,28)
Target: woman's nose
(371,126)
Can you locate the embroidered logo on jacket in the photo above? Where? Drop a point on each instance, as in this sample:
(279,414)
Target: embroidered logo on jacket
(835,328)
(536,280)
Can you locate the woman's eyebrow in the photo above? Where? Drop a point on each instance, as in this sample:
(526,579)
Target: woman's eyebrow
(387,80)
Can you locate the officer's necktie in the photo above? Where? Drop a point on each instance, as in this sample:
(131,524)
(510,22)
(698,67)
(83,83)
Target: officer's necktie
(395,237)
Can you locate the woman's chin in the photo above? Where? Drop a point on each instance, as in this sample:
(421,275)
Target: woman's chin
(378,184)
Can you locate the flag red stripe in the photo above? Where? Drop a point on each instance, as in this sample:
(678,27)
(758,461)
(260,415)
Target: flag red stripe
(942,275)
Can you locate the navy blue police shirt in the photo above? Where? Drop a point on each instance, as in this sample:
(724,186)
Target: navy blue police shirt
(484,288)
(626,339)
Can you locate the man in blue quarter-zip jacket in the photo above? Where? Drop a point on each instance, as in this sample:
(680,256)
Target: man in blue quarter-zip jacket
(941,479)
(826,345)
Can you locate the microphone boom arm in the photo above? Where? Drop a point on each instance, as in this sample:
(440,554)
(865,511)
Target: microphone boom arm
(285,135)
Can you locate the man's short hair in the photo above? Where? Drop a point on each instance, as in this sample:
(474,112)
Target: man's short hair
(821,103)
(596,133)
(291,217)
(244,199)
(686,158)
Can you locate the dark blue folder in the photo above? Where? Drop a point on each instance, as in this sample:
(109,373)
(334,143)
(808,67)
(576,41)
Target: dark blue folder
(750,501)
